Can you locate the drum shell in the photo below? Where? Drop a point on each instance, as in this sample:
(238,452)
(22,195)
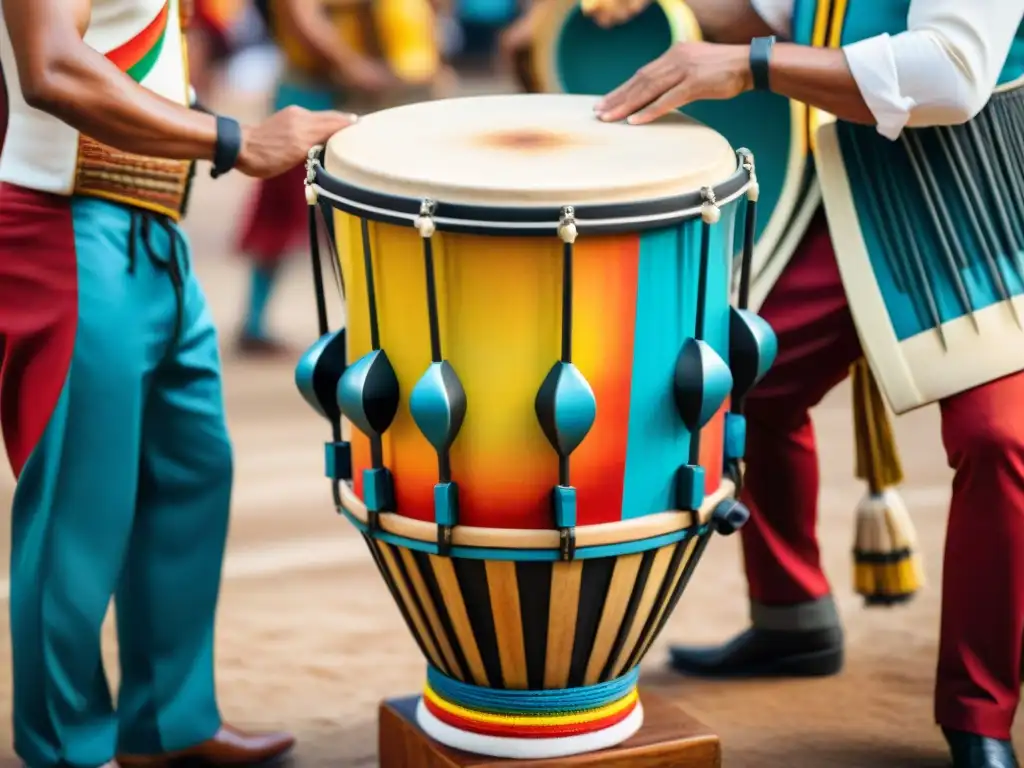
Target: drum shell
(499,299)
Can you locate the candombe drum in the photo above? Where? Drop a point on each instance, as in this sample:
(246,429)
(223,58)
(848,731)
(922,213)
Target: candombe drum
(573,54)
(542,372)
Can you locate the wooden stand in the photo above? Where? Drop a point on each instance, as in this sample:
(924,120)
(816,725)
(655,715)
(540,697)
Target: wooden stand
(669,739)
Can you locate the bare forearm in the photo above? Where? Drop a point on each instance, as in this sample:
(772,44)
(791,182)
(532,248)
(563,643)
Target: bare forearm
(819,77)
(63,76)
(728,21)
(89,93)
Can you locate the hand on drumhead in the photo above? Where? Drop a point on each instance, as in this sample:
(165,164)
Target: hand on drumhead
(688,72)
(283,140)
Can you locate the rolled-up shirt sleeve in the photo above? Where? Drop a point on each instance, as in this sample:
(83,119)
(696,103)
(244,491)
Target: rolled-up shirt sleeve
(777,14)
(942,70)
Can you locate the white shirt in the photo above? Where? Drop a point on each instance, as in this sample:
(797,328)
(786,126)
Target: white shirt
(941,71)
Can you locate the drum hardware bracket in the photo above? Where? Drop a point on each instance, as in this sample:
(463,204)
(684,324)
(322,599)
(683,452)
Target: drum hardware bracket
(747,161)
(567,543)
(312,160)
(567,230)
(710,212)
(425,221)
(444,540)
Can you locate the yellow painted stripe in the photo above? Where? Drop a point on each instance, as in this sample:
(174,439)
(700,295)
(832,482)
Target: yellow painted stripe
(508,621)
(562,612)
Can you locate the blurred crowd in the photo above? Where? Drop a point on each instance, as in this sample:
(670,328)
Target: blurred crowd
(354,55)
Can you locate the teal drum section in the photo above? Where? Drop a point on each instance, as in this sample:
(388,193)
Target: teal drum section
(578,56)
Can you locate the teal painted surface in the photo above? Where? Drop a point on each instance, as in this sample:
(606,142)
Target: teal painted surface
(889,219)
(306,366)
(877,168)
(127,492)
(868,18)
(314,97)
(566,407)
(592,60)
(438,405)
(658,443)
(486,12)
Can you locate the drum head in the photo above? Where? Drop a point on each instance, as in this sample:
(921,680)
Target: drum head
(525,150)
(575,55)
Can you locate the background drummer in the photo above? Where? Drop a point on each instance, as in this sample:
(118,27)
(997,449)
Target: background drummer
(322,71)
(941,72)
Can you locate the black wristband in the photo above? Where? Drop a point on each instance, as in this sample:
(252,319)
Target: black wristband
(760,58)
(228,147)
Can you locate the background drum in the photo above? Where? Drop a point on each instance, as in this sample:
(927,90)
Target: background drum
(402,33)
(538,329)
(572,54)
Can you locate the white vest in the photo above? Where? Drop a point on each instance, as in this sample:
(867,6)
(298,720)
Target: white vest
(143,38)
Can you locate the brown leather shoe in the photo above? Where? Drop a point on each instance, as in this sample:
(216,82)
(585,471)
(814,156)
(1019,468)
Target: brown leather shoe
(228,747)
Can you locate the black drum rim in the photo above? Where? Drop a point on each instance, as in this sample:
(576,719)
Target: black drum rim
(604,218)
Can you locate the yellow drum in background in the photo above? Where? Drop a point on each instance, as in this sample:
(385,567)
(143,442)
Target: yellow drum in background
(401,32)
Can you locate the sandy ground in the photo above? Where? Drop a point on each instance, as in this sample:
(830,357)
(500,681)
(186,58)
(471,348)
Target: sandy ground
(310,639)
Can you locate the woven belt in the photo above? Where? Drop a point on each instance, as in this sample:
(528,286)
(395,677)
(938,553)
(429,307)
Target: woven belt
(143,182)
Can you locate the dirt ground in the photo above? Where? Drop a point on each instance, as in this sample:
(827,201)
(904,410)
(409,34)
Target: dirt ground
(309,638)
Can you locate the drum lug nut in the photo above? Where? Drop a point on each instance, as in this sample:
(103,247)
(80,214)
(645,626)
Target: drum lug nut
(729,516)
(444,540)
(425,221)
(567,229)
(373,521)
(710,212)
(567,544)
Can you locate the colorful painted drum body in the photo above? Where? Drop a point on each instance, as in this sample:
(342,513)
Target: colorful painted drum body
(541,354)
(571,54)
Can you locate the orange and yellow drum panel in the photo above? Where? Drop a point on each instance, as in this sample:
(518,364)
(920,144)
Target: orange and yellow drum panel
(499,302)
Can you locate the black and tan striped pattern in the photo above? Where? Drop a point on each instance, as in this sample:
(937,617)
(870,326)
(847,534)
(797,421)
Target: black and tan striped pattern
(536,625)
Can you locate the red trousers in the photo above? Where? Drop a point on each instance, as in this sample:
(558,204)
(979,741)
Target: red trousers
(277,221)
(982,631)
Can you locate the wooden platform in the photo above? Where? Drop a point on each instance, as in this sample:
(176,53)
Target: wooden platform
(669,739)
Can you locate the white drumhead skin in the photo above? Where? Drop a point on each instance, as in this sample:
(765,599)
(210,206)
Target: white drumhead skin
(526,150)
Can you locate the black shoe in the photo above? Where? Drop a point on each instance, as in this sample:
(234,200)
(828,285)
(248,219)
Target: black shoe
(763,653)
(969,750)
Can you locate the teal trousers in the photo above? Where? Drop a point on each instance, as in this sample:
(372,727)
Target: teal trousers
(112,414)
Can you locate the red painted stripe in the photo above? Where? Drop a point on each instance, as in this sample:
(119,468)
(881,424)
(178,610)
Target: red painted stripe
(527,731)
(131,53)
(38,313)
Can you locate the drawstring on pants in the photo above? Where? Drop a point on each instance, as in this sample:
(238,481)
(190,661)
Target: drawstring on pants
(140,228)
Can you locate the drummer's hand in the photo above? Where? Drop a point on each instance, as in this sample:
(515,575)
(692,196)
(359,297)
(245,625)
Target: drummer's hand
(366,75)
(688,72)
(610,13)
(283,140)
